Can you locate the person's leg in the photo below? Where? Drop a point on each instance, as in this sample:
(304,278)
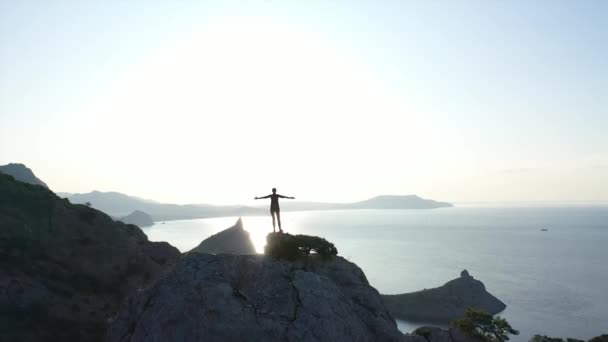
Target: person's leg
(279,219)
(273,224)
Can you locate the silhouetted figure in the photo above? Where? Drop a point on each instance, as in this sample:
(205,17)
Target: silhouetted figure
(274,207)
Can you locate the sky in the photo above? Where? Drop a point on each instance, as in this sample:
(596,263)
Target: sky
(218,102)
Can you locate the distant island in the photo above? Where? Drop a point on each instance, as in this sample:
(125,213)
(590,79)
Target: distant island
(378,202)
(444,303)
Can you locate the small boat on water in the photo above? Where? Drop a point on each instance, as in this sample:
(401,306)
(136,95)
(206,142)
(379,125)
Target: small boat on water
(544,230)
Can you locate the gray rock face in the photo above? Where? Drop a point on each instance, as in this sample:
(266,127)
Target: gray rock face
(256,298)
(434,334)
(138,218)
(234,240)
(21,173)
(65,269)
(445,303)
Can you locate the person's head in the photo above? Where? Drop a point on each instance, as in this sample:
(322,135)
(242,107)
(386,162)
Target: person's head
(274,190)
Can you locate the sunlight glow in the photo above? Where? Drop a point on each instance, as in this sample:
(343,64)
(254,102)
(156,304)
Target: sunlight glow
(279,93)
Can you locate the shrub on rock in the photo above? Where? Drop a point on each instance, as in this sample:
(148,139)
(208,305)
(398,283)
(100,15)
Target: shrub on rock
(292,247)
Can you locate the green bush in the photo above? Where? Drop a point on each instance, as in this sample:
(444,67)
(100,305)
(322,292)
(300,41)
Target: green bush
(290,247)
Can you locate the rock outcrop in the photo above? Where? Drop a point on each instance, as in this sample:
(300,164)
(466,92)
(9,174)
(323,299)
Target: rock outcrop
(138,218)
(435,334)
(64,268)
(234,240)
(22,173)
(445,303)
(230,297)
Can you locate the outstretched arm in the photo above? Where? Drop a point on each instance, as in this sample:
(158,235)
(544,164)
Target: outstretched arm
(286,197)
(263,197)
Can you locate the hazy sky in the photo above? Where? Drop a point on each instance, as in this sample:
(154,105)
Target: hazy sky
(187,101)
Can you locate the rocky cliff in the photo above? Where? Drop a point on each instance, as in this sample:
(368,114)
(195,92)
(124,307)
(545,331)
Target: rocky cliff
(234,240)
(257,298)
(65,269)
(445,303)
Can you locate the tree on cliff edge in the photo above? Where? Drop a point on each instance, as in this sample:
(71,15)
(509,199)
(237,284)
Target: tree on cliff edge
(482,326)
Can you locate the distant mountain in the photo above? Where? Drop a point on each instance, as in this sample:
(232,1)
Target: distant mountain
(234,240)
(118,205)
(22,173)
(138,218)
(379,202)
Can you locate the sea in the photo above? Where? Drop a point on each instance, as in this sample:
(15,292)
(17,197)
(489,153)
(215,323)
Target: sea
(548,264)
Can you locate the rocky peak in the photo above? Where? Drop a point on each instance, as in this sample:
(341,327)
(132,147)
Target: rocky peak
(257,298)
(233,240)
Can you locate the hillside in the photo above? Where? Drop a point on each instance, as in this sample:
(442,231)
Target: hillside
(22,173)
(65,269)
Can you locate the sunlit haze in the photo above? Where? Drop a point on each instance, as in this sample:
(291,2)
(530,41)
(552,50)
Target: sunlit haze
(192,103)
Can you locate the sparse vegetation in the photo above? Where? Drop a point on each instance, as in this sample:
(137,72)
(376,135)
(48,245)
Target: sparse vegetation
(292,247)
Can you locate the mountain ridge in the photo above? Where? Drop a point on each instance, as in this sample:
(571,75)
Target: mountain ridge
(22,173)
(118,204)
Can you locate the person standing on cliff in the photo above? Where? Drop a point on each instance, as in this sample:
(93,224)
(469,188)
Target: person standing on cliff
(274,207)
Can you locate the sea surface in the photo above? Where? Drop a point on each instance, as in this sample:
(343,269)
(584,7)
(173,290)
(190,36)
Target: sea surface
(554,282)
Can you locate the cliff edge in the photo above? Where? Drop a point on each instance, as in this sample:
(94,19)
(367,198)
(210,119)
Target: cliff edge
(229,297)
